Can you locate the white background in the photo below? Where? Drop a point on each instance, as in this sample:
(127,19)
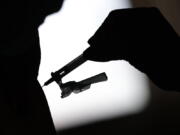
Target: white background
(63,37)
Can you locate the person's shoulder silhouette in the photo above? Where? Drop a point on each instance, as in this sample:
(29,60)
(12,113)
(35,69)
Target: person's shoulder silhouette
(22,17)
(24,108)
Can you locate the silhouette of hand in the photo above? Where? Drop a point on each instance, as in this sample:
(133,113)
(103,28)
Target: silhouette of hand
(144,38)
(131,34)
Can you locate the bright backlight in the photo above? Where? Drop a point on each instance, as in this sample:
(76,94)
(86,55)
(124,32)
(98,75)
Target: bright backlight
(63,37)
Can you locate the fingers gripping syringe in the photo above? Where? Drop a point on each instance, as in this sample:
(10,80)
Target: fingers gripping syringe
(77,87)
(72,86)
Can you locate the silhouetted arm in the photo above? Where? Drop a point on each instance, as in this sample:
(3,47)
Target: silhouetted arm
(143,37)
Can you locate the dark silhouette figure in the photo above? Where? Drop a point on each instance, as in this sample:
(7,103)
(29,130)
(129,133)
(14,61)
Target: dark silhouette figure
(23,106)
(143,37)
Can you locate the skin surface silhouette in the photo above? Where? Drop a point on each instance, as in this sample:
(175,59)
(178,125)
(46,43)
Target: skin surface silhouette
(24,109)
(143,37)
